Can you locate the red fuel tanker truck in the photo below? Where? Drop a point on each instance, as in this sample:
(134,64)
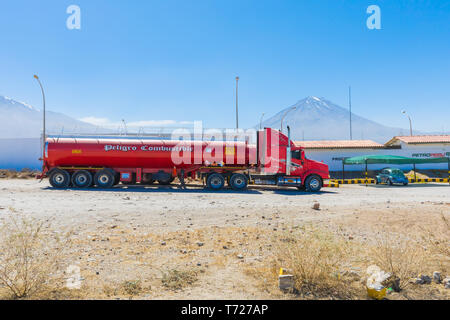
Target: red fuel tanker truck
(105,162)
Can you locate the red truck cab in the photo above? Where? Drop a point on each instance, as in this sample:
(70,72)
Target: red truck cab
(282,162)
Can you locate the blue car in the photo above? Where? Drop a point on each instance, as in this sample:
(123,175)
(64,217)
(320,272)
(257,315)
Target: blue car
(392,176)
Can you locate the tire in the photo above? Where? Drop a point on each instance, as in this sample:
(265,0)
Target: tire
(147,179)
(238,181)
(165,182)
(313,183)
(405,183)
(390,182)
(104,178)
(82,179)
(215,181)
(59,178)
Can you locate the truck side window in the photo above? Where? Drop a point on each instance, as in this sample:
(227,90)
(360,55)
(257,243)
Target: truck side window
(296,155)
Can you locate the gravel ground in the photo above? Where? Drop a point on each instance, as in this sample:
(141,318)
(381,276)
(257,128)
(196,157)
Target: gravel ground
(170,209)
(115,229)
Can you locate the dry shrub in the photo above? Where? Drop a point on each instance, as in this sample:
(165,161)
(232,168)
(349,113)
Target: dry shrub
(31,257)
(22,174)
(402,258)
(316,259)
(132,287)
(178,279)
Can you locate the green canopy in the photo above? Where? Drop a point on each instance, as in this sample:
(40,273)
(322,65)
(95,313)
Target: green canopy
(392,160)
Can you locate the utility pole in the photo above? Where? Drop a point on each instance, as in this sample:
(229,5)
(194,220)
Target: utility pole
(237,116)
(43,118)
(350,107)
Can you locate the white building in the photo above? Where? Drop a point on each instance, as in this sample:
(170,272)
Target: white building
(331,152)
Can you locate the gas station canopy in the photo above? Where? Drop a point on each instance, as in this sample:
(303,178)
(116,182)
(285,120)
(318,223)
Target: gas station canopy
(372,159)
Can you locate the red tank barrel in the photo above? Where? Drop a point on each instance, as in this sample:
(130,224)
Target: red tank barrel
(134,153)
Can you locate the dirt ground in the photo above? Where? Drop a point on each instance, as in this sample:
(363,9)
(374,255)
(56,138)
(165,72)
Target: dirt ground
(144,234)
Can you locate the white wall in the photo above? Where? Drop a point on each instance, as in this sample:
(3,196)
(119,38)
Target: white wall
(20,153)
(332,157)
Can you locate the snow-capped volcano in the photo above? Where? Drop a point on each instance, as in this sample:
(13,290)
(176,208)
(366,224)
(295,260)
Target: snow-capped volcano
(20,120)
(319,119)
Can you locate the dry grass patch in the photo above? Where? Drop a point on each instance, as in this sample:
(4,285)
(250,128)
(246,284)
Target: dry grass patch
(175,279)
(22,174)
(132,287)
(402,258)
(32,257)
(316,258)
(438,238)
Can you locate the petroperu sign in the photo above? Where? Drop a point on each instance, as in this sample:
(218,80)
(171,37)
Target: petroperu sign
(431,155)
(109,147)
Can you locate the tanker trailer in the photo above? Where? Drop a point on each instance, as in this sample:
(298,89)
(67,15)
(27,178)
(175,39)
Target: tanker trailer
(105,162)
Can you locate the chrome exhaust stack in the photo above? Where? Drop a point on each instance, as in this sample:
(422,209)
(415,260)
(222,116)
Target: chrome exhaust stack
(288,153)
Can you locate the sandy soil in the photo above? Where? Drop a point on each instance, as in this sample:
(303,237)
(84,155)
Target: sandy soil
(129,233)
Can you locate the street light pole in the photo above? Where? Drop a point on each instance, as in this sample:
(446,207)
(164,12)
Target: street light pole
(284,115)
(410,122)
(237,117)
(43,118)
(260,121)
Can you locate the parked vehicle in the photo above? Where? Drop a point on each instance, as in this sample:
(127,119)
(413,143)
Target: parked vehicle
(392,176)
(105,162)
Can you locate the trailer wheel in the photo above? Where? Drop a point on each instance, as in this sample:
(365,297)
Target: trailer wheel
(313,183)
(82,179)
(59,178)
(147,179)
(215,181)
(238,181)
(104,178)
(165,182)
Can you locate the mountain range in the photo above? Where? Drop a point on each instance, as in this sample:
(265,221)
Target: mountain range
(20,120)
(311,118)
(314,118)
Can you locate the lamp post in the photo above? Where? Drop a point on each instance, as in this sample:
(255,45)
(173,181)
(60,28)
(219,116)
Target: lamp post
(237,117)
(284,115)
(43,118)
(124,126)
(410,123)
(260,121)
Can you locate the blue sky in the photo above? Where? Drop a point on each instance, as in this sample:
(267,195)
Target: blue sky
(177,60)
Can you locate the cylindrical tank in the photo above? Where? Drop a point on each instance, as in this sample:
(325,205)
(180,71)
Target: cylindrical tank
(145,153)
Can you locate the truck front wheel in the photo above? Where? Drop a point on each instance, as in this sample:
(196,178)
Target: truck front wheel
(59,178)
(104,178)
(313,183)
(215,181)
